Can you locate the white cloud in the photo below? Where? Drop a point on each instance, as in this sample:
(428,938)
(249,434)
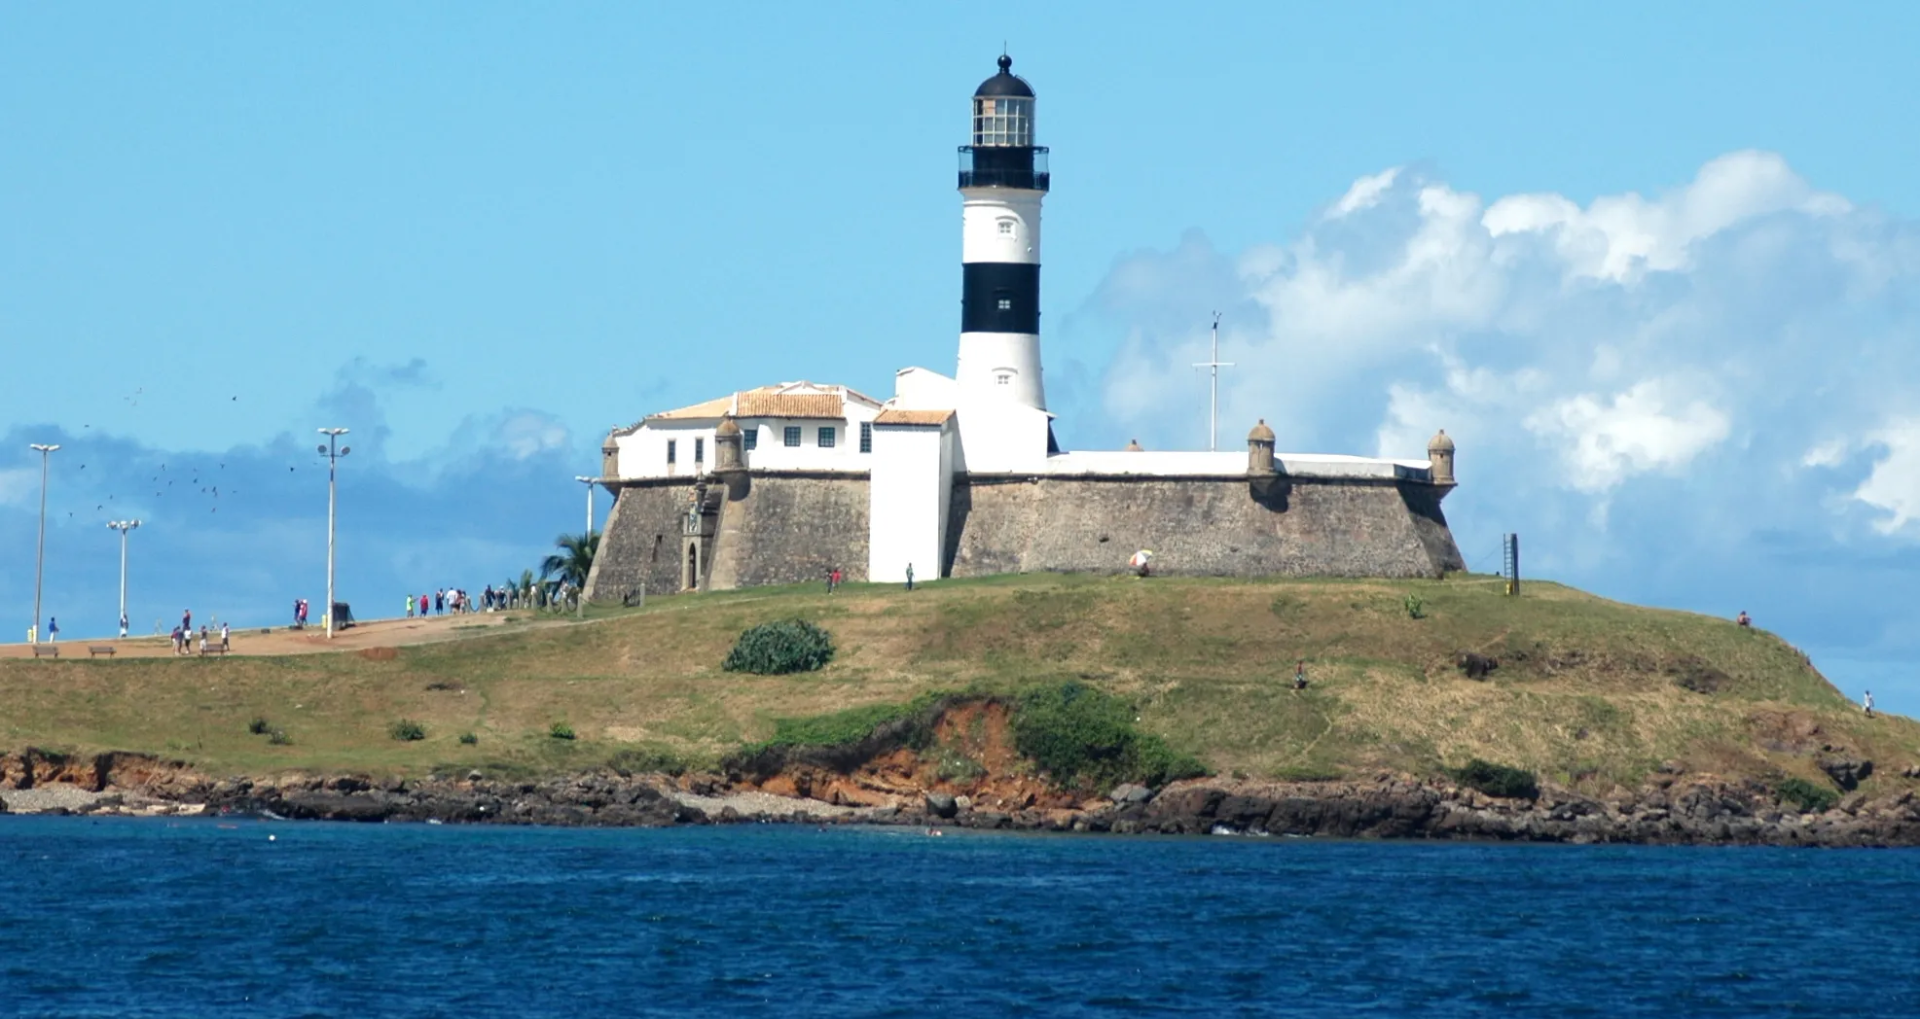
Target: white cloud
(1703,332)
(18,485)
(1364,194)
(1621,236)
(1893,486)
(1642,429)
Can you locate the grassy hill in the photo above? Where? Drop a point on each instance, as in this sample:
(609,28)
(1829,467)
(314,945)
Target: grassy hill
(1587,691)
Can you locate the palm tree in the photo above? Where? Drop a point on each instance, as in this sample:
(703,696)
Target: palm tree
(574,559)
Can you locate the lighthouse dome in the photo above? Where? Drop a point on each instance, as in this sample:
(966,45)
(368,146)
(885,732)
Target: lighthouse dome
(1006,83)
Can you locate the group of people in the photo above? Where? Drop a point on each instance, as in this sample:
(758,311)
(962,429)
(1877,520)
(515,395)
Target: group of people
(443,601)
(183,635)
(454,601)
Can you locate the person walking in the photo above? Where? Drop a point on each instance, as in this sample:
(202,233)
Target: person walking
(1300,675)
(53,632)
(226,638)
(409,606)
(203,640)
(186,621)
(440,602)
(123,626)
(1866,701)
(909,576)
(175,637)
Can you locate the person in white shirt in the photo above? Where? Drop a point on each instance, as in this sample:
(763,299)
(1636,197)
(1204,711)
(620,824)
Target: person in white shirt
(1866,701)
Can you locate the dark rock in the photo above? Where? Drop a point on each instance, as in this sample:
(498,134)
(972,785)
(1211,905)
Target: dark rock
(1846,772)
(942,805)
(1128,792)
(1475,665)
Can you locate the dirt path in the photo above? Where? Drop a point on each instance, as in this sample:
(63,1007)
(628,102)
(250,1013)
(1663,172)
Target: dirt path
(280,640)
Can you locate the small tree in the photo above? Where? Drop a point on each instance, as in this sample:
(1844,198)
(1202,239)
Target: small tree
(574,560)
(775,649)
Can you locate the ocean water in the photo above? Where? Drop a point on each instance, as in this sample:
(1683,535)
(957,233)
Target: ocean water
(123,917)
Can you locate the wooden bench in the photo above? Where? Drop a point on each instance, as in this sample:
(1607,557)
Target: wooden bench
(213,648)
(45,651)
(96,650)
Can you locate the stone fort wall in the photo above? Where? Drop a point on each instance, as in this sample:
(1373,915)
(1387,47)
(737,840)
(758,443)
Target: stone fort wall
(1203,526)
(787,528)
(772,529)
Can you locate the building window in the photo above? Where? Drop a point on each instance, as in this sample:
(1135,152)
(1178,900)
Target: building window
(672,448)
(700,450)
(866,436)
(749,438)
(826,437)
(1006,304)
(1002,379)
(792,435)
(1006,228)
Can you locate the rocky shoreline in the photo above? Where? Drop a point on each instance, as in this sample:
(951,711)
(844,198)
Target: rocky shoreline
(1670,810)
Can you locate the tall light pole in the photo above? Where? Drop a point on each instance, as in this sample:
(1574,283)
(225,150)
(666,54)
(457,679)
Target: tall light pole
(40,551)
(123,526)
(583,479)
(333,452)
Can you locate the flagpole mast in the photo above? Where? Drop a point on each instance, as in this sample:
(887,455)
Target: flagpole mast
(1213,365)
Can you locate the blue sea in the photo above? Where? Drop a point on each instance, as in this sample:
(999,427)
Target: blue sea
(125,917)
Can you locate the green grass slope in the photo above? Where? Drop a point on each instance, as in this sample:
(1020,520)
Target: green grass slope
(1588,692)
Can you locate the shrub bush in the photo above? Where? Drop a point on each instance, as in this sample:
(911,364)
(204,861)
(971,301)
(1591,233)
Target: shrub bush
(279,738)
(1416,608)
(648,761)
(776,649)
(1808,796)
(259,727)
(560,730)
(1497,780)
(1082,736)
(468,739)
(407,729)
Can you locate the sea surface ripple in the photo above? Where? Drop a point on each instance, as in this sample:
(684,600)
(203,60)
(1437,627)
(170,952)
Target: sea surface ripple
(137,918)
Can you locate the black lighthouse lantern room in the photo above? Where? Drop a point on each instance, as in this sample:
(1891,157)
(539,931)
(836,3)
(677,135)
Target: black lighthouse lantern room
(1003,154)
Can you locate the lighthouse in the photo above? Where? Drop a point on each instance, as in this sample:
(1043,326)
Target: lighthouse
(1003,178)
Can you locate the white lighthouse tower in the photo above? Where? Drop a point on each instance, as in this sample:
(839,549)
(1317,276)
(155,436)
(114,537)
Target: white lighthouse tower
(1003,177)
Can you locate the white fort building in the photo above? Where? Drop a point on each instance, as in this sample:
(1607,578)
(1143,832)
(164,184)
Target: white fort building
(960,474)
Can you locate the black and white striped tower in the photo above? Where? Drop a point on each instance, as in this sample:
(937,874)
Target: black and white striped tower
(1003,177)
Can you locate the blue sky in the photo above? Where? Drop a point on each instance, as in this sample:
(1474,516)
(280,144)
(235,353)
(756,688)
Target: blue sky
(1656,266)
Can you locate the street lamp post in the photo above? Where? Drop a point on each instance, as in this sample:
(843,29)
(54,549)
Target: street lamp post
(583,479)
(40,550)
(587,537)
(123,526)
(333,452)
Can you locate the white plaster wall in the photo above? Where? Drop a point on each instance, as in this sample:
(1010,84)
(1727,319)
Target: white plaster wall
(999,438)
(984,357)
(981,212)
(910,487)
(643,454)
(924,389)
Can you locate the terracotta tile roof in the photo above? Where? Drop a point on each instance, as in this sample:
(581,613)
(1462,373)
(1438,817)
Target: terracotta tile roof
(760,404)
(780,401)
(913,417)
(710,409)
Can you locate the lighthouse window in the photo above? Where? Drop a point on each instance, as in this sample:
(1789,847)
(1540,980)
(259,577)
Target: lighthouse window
(791,435)
(1003,379)
(826,437)
(1006,228)
(1006,304)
